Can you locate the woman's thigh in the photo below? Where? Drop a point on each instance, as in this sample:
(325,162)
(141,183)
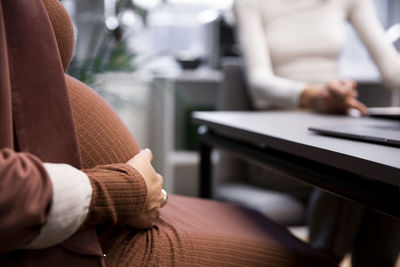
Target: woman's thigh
(195,232)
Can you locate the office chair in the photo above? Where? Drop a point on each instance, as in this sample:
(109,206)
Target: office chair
(233,183)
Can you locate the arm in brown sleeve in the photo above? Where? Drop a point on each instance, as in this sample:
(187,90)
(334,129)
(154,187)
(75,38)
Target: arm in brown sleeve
(25,197)
(119,193)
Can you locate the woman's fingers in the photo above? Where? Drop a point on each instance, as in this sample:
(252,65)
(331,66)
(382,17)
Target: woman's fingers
(354,103)
(148,153)
(342,89)
(154,181)
(349,84)
(339,97)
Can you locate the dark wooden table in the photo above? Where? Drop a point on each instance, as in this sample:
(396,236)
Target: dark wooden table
(363,172)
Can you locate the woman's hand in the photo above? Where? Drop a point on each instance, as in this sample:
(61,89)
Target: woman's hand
(154,181)
(336,97)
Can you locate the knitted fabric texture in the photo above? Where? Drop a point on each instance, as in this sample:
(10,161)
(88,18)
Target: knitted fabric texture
(119,191)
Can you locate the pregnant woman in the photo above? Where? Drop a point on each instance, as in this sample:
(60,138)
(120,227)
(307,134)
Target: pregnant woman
(76,190)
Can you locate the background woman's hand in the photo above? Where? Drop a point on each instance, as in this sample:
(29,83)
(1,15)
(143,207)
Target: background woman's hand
(336,97)
(154,181)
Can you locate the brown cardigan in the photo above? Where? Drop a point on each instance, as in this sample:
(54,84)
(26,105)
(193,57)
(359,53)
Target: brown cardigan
(35,109)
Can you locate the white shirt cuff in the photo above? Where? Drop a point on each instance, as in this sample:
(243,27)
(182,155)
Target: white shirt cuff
(72,194)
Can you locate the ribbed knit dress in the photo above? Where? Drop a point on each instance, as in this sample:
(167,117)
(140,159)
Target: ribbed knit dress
(190,231)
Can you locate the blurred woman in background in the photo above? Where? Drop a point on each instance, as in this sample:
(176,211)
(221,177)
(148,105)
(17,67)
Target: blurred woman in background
(291,50)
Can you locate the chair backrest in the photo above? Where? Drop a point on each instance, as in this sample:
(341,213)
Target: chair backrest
(232,96)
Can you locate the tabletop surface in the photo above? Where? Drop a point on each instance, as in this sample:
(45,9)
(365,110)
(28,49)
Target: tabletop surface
(287,131)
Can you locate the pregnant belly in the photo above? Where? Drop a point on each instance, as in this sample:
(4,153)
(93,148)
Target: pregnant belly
(102,136)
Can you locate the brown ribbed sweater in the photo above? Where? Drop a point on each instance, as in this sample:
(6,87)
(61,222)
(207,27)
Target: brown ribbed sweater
(189,232)
(119,191)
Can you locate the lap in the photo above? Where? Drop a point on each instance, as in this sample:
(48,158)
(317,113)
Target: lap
(207,233)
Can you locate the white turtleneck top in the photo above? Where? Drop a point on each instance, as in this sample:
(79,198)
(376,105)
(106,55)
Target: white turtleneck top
(288,44)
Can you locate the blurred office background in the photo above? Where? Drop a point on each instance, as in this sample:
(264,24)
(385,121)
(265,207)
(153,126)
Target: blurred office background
(156,61)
